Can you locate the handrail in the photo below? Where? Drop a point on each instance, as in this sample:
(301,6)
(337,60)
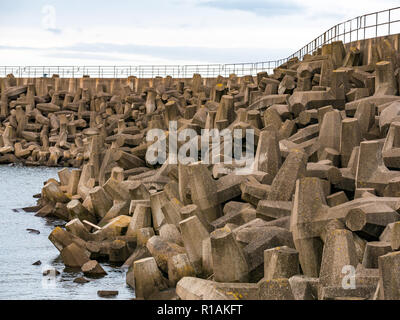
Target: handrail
(358,28)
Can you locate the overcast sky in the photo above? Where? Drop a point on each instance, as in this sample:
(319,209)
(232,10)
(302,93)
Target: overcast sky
(99,32)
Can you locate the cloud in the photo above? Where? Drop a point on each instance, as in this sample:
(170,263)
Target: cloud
(259,7)
(176,54)
(167,32)
(54,30)
(85,56)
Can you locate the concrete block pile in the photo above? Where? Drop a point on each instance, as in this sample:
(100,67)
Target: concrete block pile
(315,217)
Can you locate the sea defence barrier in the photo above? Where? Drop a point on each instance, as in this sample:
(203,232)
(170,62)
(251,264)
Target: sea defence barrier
(311,212)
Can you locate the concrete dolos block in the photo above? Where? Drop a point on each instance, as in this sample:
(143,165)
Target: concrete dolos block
(148,278)
(229,263)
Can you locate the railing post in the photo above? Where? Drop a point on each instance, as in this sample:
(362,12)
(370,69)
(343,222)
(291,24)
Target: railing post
(358,26)
(351,28)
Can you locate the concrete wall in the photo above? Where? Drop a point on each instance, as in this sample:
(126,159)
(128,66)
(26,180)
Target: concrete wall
(110,85)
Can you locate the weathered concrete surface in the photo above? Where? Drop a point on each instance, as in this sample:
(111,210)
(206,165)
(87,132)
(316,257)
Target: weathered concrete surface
(321,199)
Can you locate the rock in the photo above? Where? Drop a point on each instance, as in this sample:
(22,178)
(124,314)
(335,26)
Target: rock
(169,294)
(141,219)
(339,293)
(148,278)
(339,254)
(190,288)
(193,235)
(308,201)
(51,272)
(107,293)
(81,280)
(276,289)
(100,201)
(74,256)
(373,250)
(304,288)
(61,239)
(53,193)
(114,228)
(33,231)
(118,251)
(162,250)
(280,262)
(93,268)
(389,277)
(143,236)
(78,211)
(178,268)
(395,235)
(204,191)
(77,228)
(169,232)
(284,183)
(229,263)
(370,220)
(336,199)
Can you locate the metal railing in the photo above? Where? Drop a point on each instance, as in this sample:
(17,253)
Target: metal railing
(145,71)
(371,25)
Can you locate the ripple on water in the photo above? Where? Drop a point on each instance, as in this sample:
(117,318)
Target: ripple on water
(19,248)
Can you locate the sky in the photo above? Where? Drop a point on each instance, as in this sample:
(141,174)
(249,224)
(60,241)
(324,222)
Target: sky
(118,32)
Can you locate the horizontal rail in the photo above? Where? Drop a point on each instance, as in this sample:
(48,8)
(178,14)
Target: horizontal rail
(359,28)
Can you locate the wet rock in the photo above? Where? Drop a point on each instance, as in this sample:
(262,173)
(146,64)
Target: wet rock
(107,293)
(33,231)
(148,278)
(93,268)
(52,272)
(81,280)
(74,256)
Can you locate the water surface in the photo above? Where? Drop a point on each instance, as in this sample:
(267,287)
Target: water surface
(19,248)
